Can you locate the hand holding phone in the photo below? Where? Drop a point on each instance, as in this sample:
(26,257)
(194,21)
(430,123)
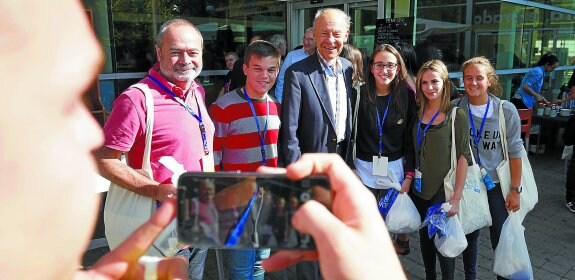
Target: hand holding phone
(351,239)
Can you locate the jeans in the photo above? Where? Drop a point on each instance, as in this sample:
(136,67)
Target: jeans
(429,252)
(470,255)
(247,263)
(498,215)
(241,263)
(197,258)
(570,183)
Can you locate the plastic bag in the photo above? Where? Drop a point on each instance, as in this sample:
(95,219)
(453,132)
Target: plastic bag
(511,255)
(403,216)
(451,242)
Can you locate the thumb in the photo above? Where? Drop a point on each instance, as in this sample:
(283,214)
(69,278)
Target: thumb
(315,219)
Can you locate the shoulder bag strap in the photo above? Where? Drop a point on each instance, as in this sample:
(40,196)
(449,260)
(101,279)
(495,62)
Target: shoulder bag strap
(146,165)
(453,143)
(503,131)
(355,113)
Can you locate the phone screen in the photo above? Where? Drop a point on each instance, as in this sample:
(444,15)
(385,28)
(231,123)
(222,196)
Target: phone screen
(245,210)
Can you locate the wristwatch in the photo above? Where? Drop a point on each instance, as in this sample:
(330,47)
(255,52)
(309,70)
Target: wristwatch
(518,189)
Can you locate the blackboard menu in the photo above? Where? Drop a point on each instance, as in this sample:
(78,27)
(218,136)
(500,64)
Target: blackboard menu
(393,30)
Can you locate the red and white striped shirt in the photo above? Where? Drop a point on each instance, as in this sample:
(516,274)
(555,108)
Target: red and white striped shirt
(236,143)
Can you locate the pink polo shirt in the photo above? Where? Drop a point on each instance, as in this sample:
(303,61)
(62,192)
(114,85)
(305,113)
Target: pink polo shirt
(176,132)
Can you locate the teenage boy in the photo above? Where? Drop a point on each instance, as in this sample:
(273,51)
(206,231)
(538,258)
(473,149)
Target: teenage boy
(246,124)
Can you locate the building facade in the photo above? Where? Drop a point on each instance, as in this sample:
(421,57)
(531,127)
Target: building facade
(512,33)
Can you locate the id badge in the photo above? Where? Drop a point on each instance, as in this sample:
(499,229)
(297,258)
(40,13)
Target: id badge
(417,180)
(208,162)
(379,166)
(487,179)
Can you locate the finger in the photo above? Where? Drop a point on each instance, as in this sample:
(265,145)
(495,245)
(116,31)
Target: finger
(283,259)
(271,170)
(141,239)
(173,268)
(313,218)
(349,192)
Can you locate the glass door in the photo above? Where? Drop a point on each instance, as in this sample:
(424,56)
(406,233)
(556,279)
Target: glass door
(363,17)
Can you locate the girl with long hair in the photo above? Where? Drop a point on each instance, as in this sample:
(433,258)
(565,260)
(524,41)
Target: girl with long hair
(481,105)
(385,149)
(432,135)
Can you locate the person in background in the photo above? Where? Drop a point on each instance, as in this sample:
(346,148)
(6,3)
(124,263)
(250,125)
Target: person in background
(433,156)
(293,57)
(410,59)
(530,89)
(316,109)
(59,140)
(246,124)
(385,149)
(353,54)
(482,103)
(231,58)
(569,139)
(176,96)
(279,42)
(425,52)
(570,89)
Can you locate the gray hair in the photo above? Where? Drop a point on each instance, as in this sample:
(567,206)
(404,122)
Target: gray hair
(341,16)
(174,22)
(309,29)
(278,40)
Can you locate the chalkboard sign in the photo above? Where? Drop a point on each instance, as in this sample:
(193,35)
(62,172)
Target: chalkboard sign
(393,30)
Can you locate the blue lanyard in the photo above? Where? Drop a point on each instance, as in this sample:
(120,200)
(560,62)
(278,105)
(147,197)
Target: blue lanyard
(477,137)
(239,228)
(421,136)
(380,124)
(262,139)
(187,107)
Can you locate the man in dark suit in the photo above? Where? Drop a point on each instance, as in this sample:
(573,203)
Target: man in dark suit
(316,107)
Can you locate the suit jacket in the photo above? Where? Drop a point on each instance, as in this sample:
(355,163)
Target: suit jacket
(308,122)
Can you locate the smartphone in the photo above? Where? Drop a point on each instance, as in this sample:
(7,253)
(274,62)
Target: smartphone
(245,210)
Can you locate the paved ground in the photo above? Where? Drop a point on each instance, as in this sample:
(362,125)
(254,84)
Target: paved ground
(549,231)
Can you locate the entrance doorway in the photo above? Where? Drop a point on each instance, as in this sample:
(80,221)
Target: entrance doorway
(363,17)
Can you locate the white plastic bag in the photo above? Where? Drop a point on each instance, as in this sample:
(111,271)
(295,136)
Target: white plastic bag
(453,242)
(511,256)
(403,216)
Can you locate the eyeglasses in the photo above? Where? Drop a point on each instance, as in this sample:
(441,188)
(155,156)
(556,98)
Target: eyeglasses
(310,40)
(380,66)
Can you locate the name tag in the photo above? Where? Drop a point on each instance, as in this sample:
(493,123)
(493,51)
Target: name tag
(208,162)
(417,180)
(379,166)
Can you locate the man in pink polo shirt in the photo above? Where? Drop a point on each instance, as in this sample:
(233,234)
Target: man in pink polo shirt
(182,127)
